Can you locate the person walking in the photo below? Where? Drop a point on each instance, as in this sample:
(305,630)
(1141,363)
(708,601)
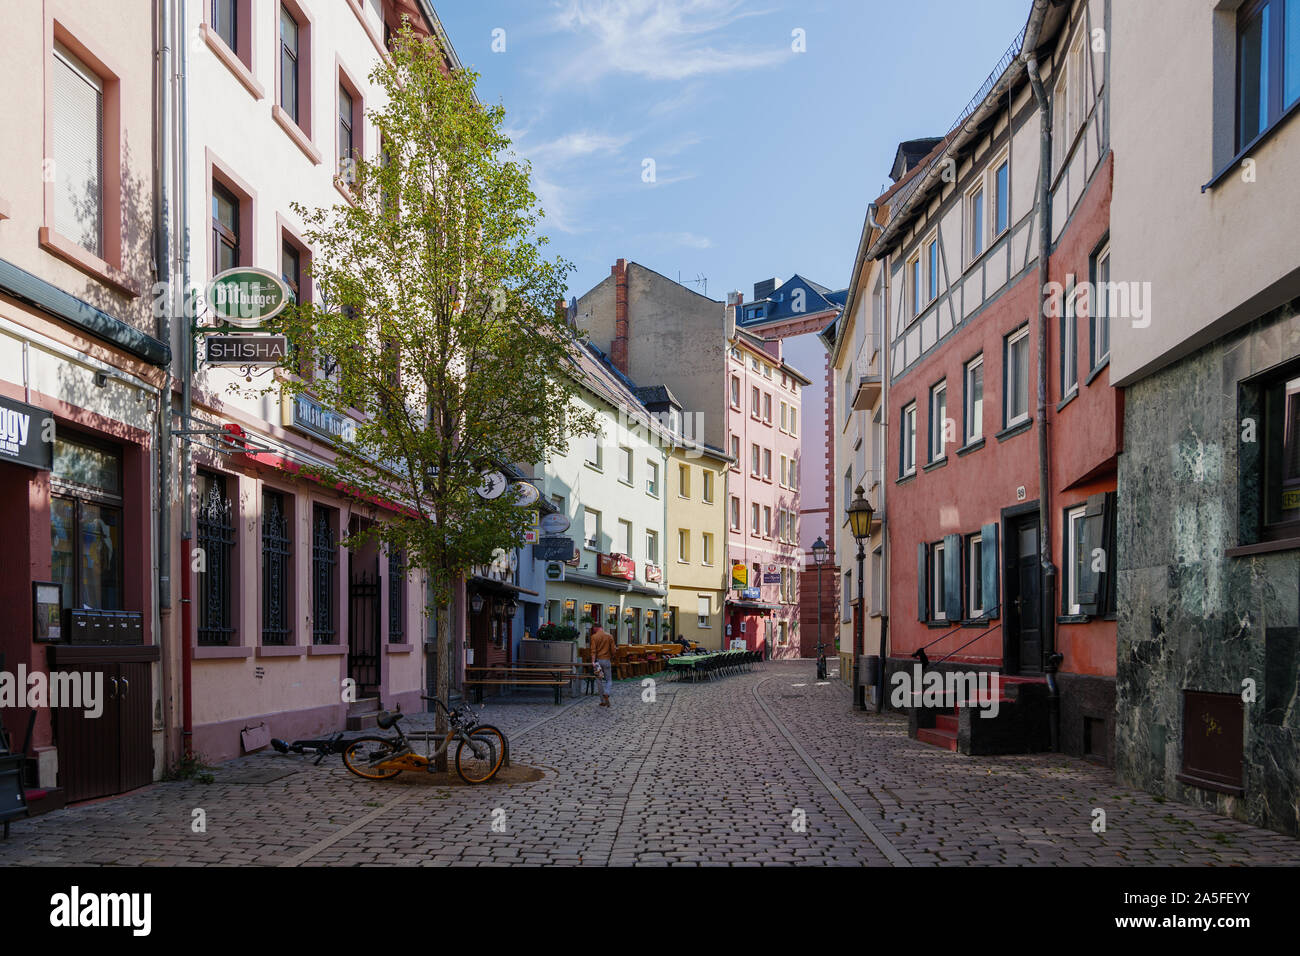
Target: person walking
(601,643)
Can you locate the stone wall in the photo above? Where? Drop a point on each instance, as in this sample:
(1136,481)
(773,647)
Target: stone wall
(1190,616)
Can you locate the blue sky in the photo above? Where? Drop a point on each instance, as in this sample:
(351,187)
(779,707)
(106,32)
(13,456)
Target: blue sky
(764,157)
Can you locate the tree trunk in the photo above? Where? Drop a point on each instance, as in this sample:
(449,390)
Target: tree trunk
(445,644)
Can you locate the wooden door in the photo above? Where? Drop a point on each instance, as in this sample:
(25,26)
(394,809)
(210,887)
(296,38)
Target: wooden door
(89,764)
(135,724)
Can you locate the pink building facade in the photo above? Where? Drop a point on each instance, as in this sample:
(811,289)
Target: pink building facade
(763,402)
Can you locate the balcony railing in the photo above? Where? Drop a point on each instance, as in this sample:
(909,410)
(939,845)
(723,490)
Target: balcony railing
(867,376)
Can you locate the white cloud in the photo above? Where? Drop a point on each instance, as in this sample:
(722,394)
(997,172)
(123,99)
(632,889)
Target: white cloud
(576,145)
(660,39)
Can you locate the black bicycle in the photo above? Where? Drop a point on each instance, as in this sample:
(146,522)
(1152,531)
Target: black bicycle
(323,747)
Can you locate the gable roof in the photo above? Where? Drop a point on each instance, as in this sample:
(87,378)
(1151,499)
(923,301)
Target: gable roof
(777,306)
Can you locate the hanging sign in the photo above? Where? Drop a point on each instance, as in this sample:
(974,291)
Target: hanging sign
(246,297)
(555,523)
(245,349)
(553,549)
(616,566)
(26,435)
(528,494)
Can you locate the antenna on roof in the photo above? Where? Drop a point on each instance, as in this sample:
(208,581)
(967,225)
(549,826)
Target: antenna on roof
(701,282)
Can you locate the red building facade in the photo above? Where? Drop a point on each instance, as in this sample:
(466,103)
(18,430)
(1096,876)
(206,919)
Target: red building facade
(973,432)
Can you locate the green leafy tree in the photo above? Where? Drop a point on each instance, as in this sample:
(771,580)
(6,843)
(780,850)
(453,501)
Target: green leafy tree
(435,327)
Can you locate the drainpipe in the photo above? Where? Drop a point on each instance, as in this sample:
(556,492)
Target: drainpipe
(162,256)
(187,365)
(872,209)
(1051,658)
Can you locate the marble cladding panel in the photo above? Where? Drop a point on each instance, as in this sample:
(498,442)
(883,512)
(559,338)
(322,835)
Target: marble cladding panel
(1190,617)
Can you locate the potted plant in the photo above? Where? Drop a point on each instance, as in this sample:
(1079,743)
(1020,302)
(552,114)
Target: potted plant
(588,620)
(557,632)
(612,617)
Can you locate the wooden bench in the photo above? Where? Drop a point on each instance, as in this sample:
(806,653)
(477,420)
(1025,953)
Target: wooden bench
(555,676)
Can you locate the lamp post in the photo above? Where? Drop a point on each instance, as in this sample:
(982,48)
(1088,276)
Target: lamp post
(860,514)
(819,551)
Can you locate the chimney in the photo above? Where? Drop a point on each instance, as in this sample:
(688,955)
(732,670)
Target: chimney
(618,348)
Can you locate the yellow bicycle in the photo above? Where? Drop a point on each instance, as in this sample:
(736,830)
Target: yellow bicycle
(480,752)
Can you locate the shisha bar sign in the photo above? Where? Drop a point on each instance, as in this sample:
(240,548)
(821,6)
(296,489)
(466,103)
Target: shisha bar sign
(246,297)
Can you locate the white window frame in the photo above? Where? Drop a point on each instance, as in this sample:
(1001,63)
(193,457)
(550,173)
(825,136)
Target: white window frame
(974,577)
(1099,307)
(651,546)
(979,189)
(683,481)
(913,282)
(628,536)
(704,603)
(754,516)
(625,462)
(683,546)
(1069,341)
(652,479)
(598,461)
(706,549)
(1074,527)
(929,251)
(974,418)
(1003,158)
(1012,340)
(590,541)
(735,514)
(706,486)
(909,443)
(938,418)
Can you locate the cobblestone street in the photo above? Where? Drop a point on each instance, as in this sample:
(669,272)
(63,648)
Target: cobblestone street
(710,774)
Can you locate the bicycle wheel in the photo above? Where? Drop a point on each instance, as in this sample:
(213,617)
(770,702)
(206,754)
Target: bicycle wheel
(482,766)
(364,753)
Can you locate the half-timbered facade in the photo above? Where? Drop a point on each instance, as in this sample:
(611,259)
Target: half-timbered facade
(1005,429)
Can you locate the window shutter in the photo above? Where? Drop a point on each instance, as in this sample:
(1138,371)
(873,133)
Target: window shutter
(922,565)
(703,609)
(78,152)
(1109,579)
(991,556)
(1094,538)
(952,576)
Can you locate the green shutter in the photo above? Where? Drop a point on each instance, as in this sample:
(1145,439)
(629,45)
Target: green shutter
(990,559)
(952,576)
(922,563)
(1094,540)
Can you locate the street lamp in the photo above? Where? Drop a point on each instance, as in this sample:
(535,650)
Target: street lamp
(860,514)
(819,551)
(476,603)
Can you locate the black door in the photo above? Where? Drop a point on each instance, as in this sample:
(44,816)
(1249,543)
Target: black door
(1026,600)
(363,633)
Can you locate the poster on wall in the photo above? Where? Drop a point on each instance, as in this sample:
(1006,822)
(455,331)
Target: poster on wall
(47,611)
